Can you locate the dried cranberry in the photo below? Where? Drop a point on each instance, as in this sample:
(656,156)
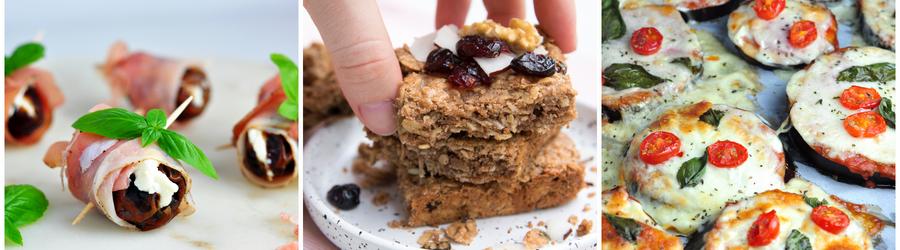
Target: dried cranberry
(344,197)
(468,75)
(478,46)
(441,62)
(534,64)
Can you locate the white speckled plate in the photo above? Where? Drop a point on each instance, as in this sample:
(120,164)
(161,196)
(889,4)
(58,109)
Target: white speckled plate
(330,152)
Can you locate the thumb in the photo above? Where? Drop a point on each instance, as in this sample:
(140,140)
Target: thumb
(363,58)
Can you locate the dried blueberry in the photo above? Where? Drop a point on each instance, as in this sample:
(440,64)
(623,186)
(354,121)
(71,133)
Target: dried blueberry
(478,46)
(441,62)
(344,197)
(534,65)
(468,75)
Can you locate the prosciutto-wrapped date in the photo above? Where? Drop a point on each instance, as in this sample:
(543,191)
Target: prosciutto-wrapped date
(31,96)
(266,142)
(149,81)
(136,187)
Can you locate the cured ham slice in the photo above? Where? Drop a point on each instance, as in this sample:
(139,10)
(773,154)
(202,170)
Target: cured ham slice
(150,81)
(31,96)
(266,142)
(102,172)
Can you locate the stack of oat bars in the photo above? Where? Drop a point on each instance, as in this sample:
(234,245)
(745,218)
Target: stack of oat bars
(476,144)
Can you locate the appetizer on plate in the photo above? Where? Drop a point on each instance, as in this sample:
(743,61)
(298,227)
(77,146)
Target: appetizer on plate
(802,215)
(783,33)
(840,105)
(626,226)
(878,19)
(656,55)
(149,81)
(266,138)
(694,159)
(31,95)
(129,167)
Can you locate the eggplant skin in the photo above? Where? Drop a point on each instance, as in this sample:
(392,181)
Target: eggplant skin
(801,152)
(871,37)
(711,12)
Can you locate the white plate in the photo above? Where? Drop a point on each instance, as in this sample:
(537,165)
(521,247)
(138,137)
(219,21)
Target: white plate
(330,152)
(231,212)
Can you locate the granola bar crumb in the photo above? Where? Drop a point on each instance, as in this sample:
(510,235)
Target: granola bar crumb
(541,223)
(585,227)
(370,170)
(566,236)
(573,220)
(463,232)
(587,207)
(592,194)
(396,224)
(381,198)
(530,225)
(433,239)
(535,239)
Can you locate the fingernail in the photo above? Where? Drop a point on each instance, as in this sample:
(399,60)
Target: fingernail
(379,117)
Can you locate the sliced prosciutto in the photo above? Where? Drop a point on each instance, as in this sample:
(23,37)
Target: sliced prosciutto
(135,187)
(31,96)
(150,81)
(266,142)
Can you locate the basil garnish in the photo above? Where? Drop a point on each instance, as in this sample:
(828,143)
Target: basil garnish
(691,171)
(290,83)
(613,25)
(118,123)
(886,110)
(712,117)
(879,72)
(24,55)
(695,69)
(627,228)
(24,204)
(623,76)
(814,202)
(797,241)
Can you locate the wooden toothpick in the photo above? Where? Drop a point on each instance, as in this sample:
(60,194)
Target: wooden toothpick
(84,211)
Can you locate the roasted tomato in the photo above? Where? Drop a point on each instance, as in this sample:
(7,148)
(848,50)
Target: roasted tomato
(659,146)
(865,124)
(856,97)
(768,9)
(802,34)
(830,219)
(726,154)
(646,41)
(764,229)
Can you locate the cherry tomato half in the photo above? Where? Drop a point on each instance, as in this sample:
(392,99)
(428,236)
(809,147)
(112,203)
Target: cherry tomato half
(802,34)
(764,229)
(646,41)
(659,146)
(726,154)
(856,97)
(830,219)
(865,124)
(768,9)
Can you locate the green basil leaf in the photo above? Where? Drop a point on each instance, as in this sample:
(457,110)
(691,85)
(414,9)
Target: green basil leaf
(695,69)
(627,228)
(613,25)
(116,123)
(12,233)
(24,55)
(150,135)
(886,110)
(691,171)
(24,204)
(624,75)
(156,118)
(712,117)
(290,82)
(797,241)
(879,72)
(179,147)
(814,202)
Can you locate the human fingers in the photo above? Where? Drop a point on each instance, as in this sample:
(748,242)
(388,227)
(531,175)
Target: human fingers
(451,12)
(557,19)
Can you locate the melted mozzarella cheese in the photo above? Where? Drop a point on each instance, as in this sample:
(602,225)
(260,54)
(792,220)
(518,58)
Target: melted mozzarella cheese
(766,41)
(879,16)
(682,5)
(817,114)
(684,210)
(617,202)
(148,178)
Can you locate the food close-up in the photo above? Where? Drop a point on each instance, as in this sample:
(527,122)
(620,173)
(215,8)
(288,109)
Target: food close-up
(757,124)
(149,135)
(494,145)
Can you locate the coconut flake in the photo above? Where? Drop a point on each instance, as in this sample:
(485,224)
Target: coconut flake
(422,46)
(540,50)
(447,37)
(491,65)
